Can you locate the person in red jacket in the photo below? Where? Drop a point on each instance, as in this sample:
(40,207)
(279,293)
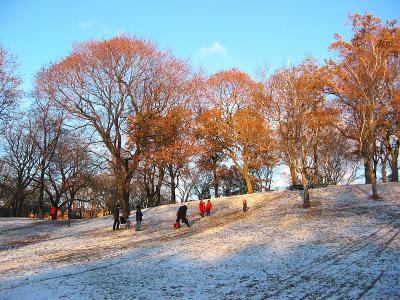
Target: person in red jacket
(208,207)
(53,212)
(202,208)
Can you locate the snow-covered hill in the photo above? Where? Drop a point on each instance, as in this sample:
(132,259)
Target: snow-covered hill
(345,246)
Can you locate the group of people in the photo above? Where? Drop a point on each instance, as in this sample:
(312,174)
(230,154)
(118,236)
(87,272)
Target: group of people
(204,209)
(121,220)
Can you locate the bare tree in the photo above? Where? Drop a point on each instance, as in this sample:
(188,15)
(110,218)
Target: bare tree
(69,171)
(21,157)
(9,84)
(48,128)
(298,109)
(103,83)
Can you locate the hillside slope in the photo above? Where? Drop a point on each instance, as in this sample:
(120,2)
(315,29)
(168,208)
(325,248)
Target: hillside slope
(346,245)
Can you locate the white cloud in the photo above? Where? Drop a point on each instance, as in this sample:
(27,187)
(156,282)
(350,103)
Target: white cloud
(215,49)
(85,24)
(98,29)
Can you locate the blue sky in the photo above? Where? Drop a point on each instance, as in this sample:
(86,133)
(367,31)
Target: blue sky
(211,34)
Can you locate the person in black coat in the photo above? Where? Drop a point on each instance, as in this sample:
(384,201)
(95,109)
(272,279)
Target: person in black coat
(139,218)
(181,215)
(116,217)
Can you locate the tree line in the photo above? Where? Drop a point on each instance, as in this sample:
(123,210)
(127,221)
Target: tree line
(121,120)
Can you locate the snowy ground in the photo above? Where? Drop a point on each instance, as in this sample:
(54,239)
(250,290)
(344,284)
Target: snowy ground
(345,246)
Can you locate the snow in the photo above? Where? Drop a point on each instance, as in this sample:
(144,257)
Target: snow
(345,246)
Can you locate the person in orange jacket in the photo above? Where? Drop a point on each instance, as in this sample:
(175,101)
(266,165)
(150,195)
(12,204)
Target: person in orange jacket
(202,208)
(208,207)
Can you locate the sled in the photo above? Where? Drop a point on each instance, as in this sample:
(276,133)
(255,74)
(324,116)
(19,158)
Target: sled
(125,221)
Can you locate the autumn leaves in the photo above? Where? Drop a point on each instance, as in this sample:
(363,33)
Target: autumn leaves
(156,117)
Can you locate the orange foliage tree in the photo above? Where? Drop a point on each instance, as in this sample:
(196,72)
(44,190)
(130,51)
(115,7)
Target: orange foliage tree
(169,145)
(296,106)
(101,83)
(179,145)
(211,150)
(236,126)
(361,78)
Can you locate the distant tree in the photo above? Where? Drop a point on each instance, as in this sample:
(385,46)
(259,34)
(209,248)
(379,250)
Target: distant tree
(10,83)
(150,176)
(48,126)
(82,169)
(232,182)
(21,157)
(185,183)
(69,171)
(202,181)
(6,190)
(102,192)
(263,175)
(337,162)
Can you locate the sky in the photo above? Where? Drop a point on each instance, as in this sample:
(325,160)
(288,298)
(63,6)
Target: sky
(212,35)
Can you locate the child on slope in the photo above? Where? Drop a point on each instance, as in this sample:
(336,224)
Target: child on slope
(208,207)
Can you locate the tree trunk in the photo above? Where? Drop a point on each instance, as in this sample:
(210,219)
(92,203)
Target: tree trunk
(173,192)
(123,196)
(316,170)
(375,167)
(383,170)
(123,192)
(245,174)
(41,191)
(20,206)
(69,213)
(304,176)
(14,208)
(19,200)
(394,163)
(293,174)
(370,170)
(216,185)
(172,176)
(159,185)
(122,181)
(249,184)
(306,194)
(367,174)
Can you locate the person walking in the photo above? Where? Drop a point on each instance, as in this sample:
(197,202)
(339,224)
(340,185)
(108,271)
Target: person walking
(139,218)
(53,213)
(181,215)
(208,208)
(245,208)
(116,217)
(202,208)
